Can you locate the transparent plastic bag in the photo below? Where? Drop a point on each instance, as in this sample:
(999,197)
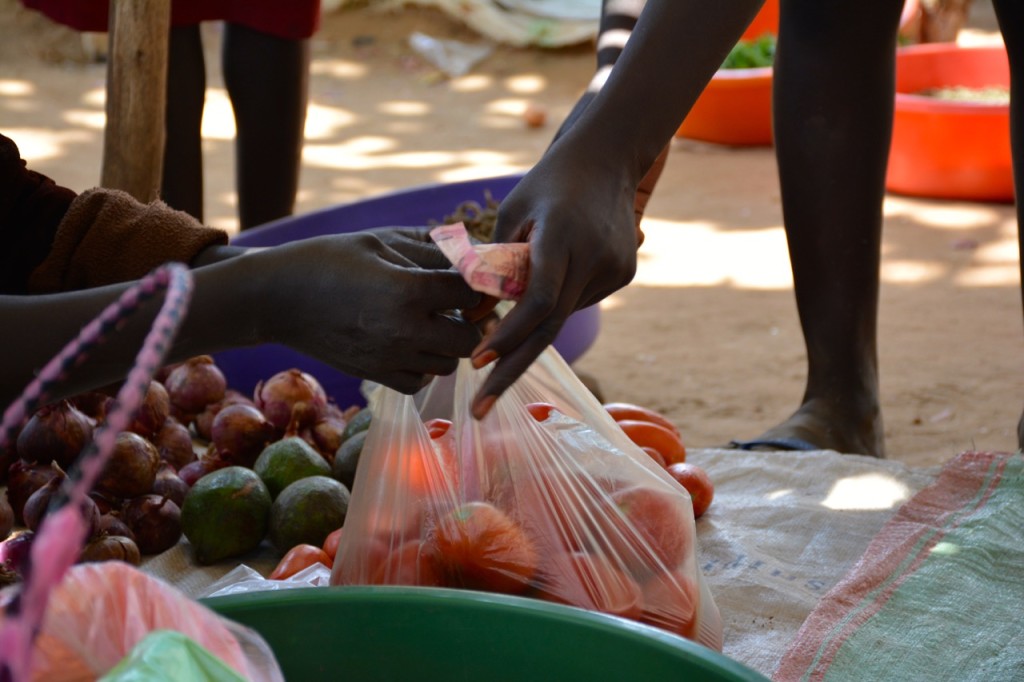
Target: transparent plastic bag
(546,497)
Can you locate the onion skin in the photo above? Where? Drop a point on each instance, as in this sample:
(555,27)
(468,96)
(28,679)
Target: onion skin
(327,435)
(278,396)
(193,472)
(111,548)
(174,444)
(24,479)
(155,521)
(38,506)
(153,412)
(14,551)
(240,432)
(204,420)
(111,524)
(169,484)
(196,383)
(131,469)
(6,518)
(55,433)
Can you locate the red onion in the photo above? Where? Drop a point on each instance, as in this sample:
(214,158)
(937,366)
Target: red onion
(38,506)
(131,469)
(278,396)
(240,432)
(111,524)
(155,521)
(111,548)
(327,435)
(56,433)
(210,461)
(174,444)
(153,412)
(196,383)
(104,503)
(24,479)
(14,551)
(204,420)
(6,517)
(93,404)
(162,373)
(38,503)
(169,484)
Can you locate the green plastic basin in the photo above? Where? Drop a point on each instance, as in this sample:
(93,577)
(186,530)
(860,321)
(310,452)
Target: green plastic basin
(408,633)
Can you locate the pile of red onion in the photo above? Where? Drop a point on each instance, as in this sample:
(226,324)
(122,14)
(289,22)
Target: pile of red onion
(189,424)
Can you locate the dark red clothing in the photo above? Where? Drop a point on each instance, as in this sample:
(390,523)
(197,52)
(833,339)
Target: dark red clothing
(291,19)
(31,208)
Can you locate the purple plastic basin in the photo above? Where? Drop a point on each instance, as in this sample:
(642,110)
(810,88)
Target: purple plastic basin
(244,367)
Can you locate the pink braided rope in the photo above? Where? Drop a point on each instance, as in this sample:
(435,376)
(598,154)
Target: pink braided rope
(56,545)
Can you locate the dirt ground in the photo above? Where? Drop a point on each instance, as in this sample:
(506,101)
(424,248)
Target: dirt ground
(708,332)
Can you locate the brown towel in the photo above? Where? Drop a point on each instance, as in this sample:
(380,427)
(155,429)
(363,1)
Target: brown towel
(107,236)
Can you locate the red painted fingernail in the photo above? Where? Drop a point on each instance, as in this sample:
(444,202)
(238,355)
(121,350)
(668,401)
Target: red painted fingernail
(483,406)
(484,358)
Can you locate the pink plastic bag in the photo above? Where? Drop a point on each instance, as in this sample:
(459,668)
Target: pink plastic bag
(100,611)
(556,504)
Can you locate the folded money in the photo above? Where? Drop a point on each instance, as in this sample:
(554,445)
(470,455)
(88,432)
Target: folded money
(500,270)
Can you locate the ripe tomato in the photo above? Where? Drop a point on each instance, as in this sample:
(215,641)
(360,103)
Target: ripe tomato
(541,411)
(670,602)
(697,483)
(298,558)
(655,455)
(656,529)
(408,565)
(649,434)
(623,411)
(330,545)
(438,427)
(591,581)
(480,547)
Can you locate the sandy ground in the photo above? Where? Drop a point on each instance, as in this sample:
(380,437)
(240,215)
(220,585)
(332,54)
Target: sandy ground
(708,331)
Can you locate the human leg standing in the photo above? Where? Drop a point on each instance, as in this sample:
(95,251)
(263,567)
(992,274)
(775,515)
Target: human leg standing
(182,183)
(1010,15)
(618,18)
(267,80)
(833,108)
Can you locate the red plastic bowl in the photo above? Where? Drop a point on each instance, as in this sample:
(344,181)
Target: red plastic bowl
(950,149)
(736,106)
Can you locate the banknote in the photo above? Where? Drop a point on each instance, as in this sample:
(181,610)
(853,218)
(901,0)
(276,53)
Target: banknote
(500,270)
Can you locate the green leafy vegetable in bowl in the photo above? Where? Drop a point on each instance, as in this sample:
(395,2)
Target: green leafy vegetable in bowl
(750,54)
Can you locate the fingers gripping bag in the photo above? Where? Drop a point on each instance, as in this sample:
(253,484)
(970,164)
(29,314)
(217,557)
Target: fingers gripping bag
(546,498)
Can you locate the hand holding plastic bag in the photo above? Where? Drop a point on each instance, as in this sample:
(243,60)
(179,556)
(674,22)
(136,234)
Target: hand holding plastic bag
(545,497)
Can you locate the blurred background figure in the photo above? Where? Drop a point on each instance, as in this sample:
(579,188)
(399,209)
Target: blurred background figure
(265,63)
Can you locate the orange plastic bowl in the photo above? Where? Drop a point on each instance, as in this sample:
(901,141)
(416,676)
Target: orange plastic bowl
(734,109)
(950,149)
(736,106)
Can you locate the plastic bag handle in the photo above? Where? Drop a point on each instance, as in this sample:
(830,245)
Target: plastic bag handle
(60,537)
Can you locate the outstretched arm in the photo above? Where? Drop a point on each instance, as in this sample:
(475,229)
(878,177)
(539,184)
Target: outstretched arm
(576,206)
(368,304)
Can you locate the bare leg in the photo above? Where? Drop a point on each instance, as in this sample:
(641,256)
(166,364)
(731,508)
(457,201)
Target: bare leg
(833,103)
(1011,23)
(618,18)
(182,184)
(267,79)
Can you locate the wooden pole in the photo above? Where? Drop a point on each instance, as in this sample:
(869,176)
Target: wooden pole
(133,142)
